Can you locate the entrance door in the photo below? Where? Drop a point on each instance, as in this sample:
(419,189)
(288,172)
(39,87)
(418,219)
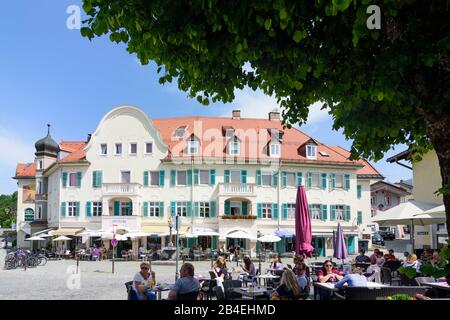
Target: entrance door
(351,245)
(319,245)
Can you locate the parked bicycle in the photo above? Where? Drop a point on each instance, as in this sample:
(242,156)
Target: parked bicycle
(24,259)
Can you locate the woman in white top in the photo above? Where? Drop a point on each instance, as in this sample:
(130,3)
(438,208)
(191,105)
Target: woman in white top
(411,261)
(142,278)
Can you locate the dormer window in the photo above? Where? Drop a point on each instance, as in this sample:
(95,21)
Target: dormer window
(229,133)
(234,148)
(179,132)
(192,146)
(311,151)
(275,149)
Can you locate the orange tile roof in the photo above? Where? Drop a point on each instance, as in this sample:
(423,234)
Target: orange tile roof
(368,169)
(75,150)
(253,133)
(26,170)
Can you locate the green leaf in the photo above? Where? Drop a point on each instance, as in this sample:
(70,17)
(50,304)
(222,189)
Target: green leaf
(268,24)
(283,14)
(297,85)
(380,96)
(299,35)
(238,48)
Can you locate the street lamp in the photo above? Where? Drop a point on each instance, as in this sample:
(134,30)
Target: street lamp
(170,223)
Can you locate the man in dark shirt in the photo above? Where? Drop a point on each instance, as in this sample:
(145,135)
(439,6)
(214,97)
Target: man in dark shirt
(362,258)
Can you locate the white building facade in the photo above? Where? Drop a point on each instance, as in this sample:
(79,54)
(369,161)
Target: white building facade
(137,172)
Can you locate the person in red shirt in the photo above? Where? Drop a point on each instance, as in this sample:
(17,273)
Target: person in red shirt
(327,274)
(390,256)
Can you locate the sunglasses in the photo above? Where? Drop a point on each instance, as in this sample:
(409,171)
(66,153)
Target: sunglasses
(144,268)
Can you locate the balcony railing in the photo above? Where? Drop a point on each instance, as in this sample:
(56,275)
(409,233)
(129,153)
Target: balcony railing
(118,189)
(236,188)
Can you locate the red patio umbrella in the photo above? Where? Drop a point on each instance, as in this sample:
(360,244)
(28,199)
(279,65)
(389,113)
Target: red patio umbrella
(303,231)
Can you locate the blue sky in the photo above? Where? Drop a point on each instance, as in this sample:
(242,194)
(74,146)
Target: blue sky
(50,74)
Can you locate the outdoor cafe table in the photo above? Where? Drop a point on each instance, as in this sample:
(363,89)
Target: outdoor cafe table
(329,286)
(258,291)
(266,277)
(158,290)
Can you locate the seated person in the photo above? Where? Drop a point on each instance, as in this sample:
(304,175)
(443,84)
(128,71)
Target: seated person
(186,283)
(327,274)
(249,268)
(142,278)
(362,258)
(220,268)
(276,263)
(95,253)
(379,260)
(411,261)
(390,256)
(288,287)
(301,274)
(435,259)
(373,257)
(298,261)
(353,279)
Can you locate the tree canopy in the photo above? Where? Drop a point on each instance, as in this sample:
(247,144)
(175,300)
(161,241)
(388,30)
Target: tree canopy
(383,86)
(8,202)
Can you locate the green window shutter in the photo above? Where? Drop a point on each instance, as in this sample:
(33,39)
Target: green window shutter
(359,191)
(64,179)
(99,178)
(214,241)
(359,217)
(79,174)
(299,179)
(275,179)
(189,209)
(212,177)
(78,205)
(244,208)
(63,209)
(284,212)
(145,209)
(173,208)
(275,211)
(162,176)
(173,178)
(259,210)
(333,212)
(196,177)
(333,181)
(309,183)
(347,213)
(212,209)
(258,177)
(131,208)
(146,178)
(310,210)
(324,181)
(227,176)
(283,179)
(347,181)
(117,208)
(88,209)
(243,176)
(189,177)
(161,209)
(227,207)
(197,209)
(94,179)
(324,212)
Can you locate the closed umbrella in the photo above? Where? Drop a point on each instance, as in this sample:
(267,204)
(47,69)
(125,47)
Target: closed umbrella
(303,231)
(340,248)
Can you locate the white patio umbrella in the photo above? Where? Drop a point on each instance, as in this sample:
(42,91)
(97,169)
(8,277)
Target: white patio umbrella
(109,236)
(35,238)
(62,238)
(269,238)
(45,235)
(136,234)
(435,215)
(240,234)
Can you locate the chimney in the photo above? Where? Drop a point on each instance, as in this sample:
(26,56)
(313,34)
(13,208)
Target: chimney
(89,137)
(236,114)
(274,115)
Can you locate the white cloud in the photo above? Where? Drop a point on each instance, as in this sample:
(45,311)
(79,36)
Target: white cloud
(14,150)
(255,104)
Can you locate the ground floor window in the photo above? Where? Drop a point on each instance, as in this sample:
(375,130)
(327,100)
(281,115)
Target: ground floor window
(242,243)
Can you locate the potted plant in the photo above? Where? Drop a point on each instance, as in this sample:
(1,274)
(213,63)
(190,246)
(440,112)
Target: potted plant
(441,268)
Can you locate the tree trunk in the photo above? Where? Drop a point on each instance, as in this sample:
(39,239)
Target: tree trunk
(438,128)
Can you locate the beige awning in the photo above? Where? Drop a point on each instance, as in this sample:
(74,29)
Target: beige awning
(155,229)
(66,232)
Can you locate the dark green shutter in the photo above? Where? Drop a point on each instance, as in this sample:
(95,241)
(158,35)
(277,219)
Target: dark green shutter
(196,177)
(94,179)
(145,178)
(333,212)
(227,207)
(64,179)
(212,209)
(258,177)
(145,209)
(99,178)
(275,179)
(78,205)
(88,209)
(244,208)
(347,213)
(212,177)
(243,176)
(359,217)
(189,209)
(173,178)
(189,177)
(259,210)
(309,183)
(197,209)
(283,179)
(310,210)
(117,208)
(131,208)
(347,181)
(299,179)
(173,209)
(324,212)
(79,174)
(162,177)
(359,191)
(161,209)
(63,209)
(333,181)
(284,214)
(214,241)
(227,176)
(275,211)
(324,181)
